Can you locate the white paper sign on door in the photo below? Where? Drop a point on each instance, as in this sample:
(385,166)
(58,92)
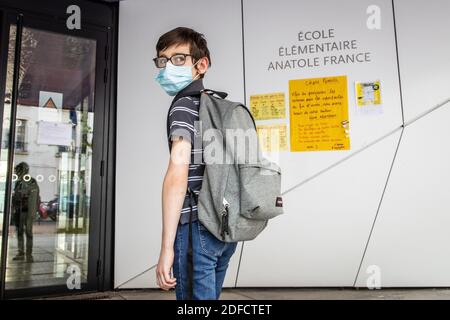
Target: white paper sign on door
(54,133)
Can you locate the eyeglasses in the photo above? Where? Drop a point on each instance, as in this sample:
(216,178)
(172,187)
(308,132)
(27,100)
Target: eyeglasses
(178,59)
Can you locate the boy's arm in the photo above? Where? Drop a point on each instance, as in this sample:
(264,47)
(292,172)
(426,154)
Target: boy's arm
(173,194)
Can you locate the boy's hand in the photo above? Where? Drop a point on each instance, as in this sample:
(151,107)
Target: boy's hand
(163,278)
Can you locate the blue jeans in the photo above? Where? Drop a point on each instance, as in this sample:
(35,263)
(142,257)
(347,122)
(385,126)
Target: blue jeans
(210,262)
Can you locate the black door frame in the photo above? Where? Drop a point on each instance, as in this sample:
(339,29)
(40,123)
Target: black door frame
(99,22)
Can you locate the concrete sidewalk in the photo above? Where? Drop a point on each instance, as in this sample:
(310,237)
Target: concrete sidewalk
(278,294)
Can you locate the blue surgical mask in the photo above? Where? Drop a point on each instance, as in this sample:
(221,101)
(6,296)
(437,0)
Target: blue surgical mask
(175,78)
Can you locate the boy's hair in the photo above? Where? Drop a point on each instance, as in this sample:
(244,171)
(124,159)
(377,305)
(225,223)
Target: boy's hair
(197,43)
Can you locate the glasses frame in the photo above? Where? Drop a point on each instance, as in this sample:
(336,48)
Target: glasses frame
(170,59)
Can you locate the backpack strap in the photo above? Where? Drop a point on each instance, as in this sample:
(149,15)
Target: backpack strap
(220,94)
(190,263)
(197,93)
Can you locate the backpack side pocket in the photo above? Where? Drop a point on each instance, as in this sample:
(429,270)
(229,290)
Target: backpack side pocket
(260,191)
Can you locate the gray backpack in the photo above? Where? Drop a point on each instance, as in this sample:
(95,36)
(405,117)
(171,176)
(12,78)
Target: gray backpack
(243,191)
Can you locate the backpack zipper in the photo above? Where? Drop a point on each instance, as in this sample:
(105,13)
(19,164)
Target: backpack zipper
(224,225)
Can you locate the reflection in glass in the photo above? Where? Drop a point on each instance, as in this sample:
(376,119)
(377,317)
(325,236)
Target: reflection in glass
(49,226)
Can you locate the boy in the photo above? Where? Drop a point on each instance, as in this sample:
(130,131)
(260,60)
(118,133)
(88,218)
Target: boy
(183,58)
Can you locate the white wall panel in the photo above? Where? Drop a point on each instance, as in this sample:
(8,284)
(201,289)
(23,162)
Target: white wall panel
(423,29)
(411,236)
(320,240)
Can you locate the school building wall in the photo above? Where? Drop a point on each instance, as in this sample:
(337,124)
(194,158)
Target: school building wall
(378,210)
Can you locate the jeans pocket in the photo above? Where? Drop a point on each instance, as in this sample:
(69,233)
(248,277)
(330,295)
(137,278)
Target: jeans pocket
(209,243)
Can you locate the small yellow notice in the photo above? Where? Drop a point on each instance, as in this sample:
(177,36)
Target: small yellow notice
(268,106)
(368,93)
(272,137)
(319,114)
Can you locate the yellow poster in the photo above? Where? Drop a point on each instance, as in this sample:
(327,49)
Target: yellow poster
(368,93)
(268,106)
(272,137)
(319,114)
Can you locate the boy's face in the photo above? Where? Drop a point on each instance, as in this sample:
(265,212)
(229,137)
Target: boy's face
(200,67)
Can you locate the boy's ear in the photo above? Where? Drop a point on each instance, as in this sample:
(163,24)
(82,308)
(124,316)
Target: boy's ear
(202,65)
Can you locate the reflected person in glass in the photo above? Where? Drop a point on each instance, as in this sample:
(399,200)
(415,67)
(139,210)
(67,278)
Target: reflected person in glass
(25,204)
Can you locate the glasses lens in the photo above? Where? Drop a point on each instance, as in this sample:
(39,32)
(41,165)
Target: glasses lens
(160,62)
(178,59)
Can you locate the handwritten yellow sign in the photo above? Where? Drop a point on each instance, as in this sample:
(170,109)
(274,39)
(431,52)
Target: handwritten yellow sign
(319,114)
(268,106)
(272,137)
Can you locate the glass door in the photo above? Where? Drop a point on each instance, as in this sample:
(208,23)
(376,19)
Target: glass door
(50,157)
